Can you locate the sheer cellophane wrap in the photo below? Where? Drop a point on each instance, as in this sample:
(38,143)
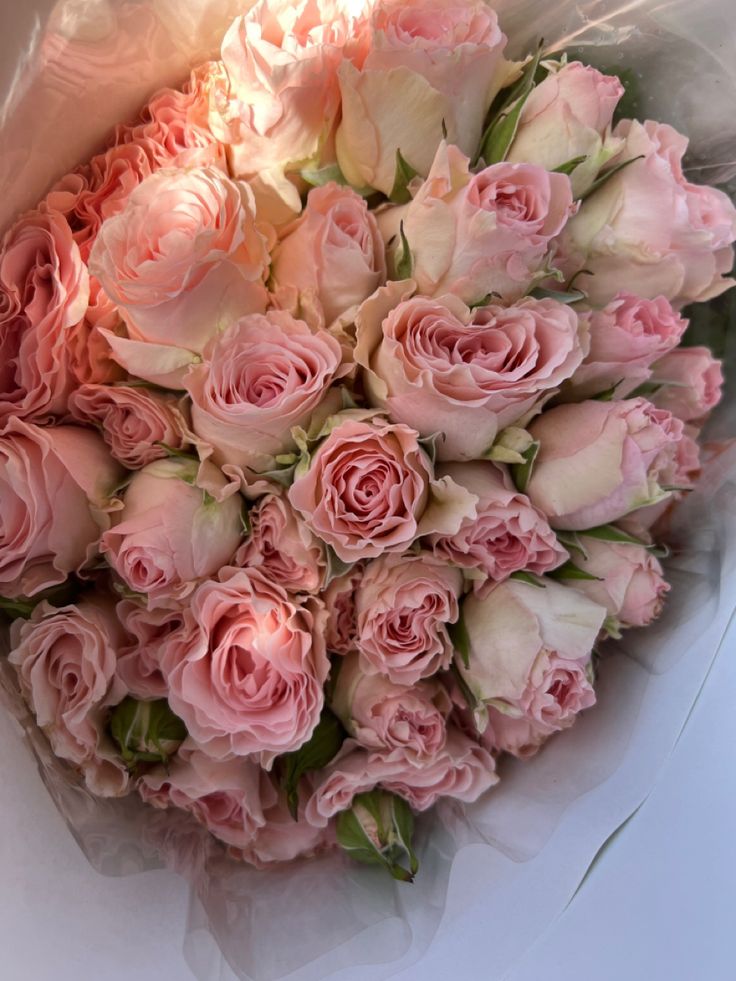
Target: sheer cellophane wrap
(69,73)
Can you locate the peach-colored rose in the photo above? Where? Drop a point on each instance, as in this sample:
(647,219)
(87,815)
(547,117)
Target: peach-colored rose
(369,488)
(246,671)
(55,485)
(626,336)
(508,535)
(263,376)
(567,116)
(691,380)
(403,606)
(282,547)
(44,289)
(599,460)
(136,424)
(476,234)
(171,532)
(183,260)
(440,367)
(139,662)
(90,356)
(65,660)
(430,64)
(333,255)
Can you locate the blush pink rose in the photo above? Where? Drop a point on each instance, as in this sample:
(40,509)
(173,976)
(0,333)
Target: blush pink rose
(529,651)
(475,234)
(369,488)
(403,606)
(626,337)
(65,659)
(333,256)
(262,377)
(89,353)
(691,380)
(429,64)
(139,662)
(246,672)
(182,261)
(133,422)
(440,367)
(282,547)
(599,460)
(171,533)
(44,289)
(520,736)
(508,534)
(339,598)
(567,116)
(407,720)
(56,485)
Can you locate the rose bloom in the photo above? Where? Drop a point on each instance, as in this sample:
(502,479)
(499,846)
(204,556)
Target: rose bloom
(246,672)
(626,336)
(282,547)
(262,377)
(442,368)
(691,380)
(408,720)
(89,353)
(403,605)
(339,598)
(65,659)
(44,289)
(56,485)
(139,662)
(599,460)
(333,254)
(462,770)
(568,115)
(183,260)
(369,489)
(133,422)
(508,535)
(171,533)
(430,64)
(529,651)
(475,234)
(650,229)
(629,580)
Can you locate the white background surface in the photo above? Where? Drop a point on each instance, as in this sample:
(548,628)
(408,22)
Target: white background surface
(658,904)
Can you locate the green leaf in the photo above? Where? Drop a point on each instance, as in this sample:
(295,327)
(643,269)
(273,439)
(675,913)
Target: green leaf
(23,606)
(15,608)
(570,571)
(570,165)
(458,634)
(528,577)
(499,135)
(610,533)
(377,830)
(316,753)
(607,175)
(561,296)
(332,174)
(404,265)
(403,175)
(522,472)
(146,731)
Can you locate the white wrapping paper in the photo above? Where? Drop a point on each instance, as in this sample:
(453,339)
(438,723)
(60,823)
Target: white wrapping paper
(70,72)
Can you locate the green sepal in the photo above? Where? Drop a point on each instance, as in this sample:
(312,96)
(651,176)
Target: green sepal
(570,165)
(321,747)
(607,175)
(378,830)
(610,533)
(499,135)
(460,638)
(404,174)
(405,264)
(528,577)
(571,571)
(332,174)
(561,296)
(146,731)
(522,472)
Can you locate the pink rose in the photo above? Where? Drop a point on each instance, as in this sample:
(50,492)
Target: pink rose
(629,580)
(475,234)
(529,651)
(44,289)
(333,254)
(262,377)
(90,355)
(246,672)
(650,229)
(403,605)
(406,720)
(429,64)
(691,380)
(65,660)
(369,489)
(508,535)
(599,460)
(183,260)
(442,368)
(134,422)
(568,115)
(339,598)
(55,484)
(171,533)
(282,547)
(626,336)
(522,737)
(139,662)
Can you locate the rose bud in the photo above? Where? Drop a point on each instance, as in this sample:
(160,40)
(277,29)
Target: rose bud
(171,533)
(598,461)
(146,732)
(377,830)
(403,607)
(139,662)
(691,380)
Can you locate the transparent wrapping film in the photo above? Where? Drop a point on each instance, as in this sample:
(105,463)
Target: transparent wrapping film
(70,73)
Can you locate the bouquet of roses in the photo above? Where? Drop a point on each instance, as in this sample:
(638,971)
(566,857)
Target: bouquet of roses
(343,399)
